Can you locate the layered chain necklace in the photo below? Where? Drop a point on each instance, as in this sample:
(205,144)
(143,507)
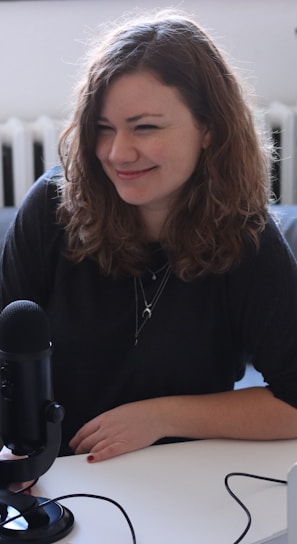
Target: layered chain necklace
(149,307)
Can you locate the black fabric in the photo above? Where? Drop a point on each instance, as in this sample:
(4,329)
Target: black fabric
(198,340)
(286,216)
(7,215)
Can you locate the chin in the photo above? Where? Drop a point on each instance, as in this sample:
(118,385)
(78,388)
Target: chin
(133,200)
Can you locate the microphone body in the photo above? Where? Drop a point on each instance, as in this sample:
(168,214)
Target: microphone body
(30,424)
(26,376)
(25,391)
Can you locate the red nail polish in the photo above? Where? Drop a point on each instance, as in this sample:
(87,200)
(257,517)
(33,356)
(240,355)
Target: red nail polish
(90,458)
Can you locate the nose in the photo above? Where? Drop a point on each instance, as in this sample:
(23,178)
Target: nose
(123,148)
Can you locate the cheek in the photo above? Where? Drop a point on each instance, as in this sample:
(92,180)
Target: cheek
(98,151)
(181,158)
(162,152)
(183,150)
(101,150)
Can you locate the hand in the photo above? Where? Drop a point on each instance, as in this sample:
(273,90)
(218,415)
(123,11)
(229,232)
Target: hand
(121,430)
(6,454)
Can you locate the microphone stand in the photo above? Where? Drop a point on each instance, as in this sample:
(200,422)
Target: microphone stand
(38,524)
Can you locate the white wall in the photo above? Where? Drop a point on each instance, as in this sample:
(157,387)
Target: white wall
(41,42)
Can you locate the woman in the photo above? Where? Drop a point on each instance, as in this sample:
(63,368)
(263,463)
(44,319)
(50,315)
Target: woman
(152,251)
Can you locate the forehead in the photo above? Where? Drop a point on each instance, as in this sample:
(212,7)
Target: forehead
(140,90)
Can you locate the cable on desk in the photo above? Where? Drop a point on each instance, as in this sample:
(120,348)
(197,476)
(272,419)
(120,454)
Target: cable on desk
(243,506)
(73,496)
(112,501)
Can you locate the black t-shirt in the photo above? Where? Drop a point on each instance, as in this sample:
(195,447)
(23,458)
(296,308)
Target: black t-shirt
(198,340)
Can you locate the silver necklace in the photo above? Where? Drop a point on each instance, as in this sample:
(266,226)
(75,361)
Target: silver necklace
(154,273)
(148,306)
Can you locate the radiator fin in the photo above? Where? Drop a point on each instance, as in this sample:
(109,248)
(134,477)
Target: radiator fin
(28,149)
(281,123)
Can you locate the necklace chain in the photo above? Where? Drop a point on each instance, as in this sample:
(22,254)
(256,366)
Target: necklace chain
(148,306)
(156,272)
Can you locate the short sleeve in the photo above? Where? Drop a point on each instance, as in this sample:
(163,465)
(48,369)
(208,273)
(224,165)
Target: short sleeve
(263,294)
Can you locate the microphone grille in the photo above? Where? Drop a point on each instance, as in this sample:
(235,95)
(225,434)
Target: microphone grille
(24,328)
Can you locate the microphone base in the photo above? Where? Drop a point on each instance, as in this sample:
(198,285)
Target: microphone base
(51,523)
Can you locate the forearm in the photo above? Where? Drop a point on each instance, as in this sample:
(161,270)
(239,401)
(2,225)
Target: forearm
(252,414)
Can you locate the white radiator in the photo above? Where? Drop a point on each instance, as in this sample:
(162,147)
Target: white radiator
(27,150)
(281,122)
(30,148)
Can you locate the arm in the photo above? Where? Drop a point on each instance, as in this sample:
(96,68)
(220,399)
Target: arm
(252,413)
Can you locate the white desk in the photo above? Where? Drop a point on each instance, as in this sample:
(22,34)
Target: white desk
(175,494)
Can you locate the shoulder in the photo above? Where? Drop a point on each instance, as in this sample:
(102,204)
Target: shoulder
(36,218)
(45,188)
(39,206)
(33,244)
(285,216)
(273,254)
(267,275)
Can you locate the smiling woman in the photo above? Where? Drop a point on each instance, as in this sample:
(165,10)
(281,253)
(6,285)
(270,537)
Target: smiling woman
(213,97)
(152,250)
(149,144)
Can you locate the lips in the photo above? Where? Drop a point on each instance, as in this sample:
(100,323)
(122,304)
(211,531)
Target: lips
(128,175)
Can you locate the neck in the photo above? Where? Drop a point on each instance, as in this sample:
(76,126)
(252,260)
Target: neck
(153,222)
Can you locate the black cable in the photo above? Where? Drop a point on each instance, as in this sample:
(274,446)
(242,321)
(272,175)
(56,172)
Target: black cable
(245,474)
(76,495)
(115,503)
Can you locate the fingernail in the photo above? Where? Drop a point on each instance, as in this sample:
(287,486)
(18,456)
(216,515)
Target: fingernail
(90,458)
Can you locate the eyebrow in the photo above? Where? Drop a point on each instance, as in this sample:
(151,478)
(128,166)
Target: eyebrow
(135,118)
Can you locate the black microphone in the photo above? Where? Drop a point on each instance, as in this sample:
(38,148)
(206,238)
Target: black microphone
(25,371)
(30,425)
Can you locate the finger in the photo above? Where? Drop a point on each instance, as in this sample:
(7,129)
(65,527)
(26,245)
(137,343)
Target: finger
(76,441)
(22,487)
(90,442)
(107,451)
(84,432)
(6,454)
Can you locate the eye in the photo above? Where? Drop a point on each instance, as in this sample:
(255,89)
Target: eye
(103,128)
(146,127)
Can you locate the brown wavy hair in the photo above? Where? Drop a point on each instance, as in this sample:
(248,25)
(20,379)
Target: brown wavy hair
(221,208)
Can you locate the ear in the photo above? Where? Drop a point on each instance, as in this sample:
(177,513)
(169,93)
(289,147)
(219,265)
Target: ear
(206,138)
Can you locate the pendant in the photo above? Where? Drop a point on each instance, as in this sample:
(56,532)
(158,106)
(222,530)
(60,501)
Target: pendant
(147,312)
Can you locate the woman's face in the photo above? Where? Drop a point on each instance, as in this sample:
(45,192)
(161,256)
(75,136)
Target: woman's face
(148,142)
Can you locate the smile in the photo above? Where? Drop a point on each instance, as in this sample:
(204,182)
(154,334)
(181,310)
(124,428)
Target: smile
(128,175)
